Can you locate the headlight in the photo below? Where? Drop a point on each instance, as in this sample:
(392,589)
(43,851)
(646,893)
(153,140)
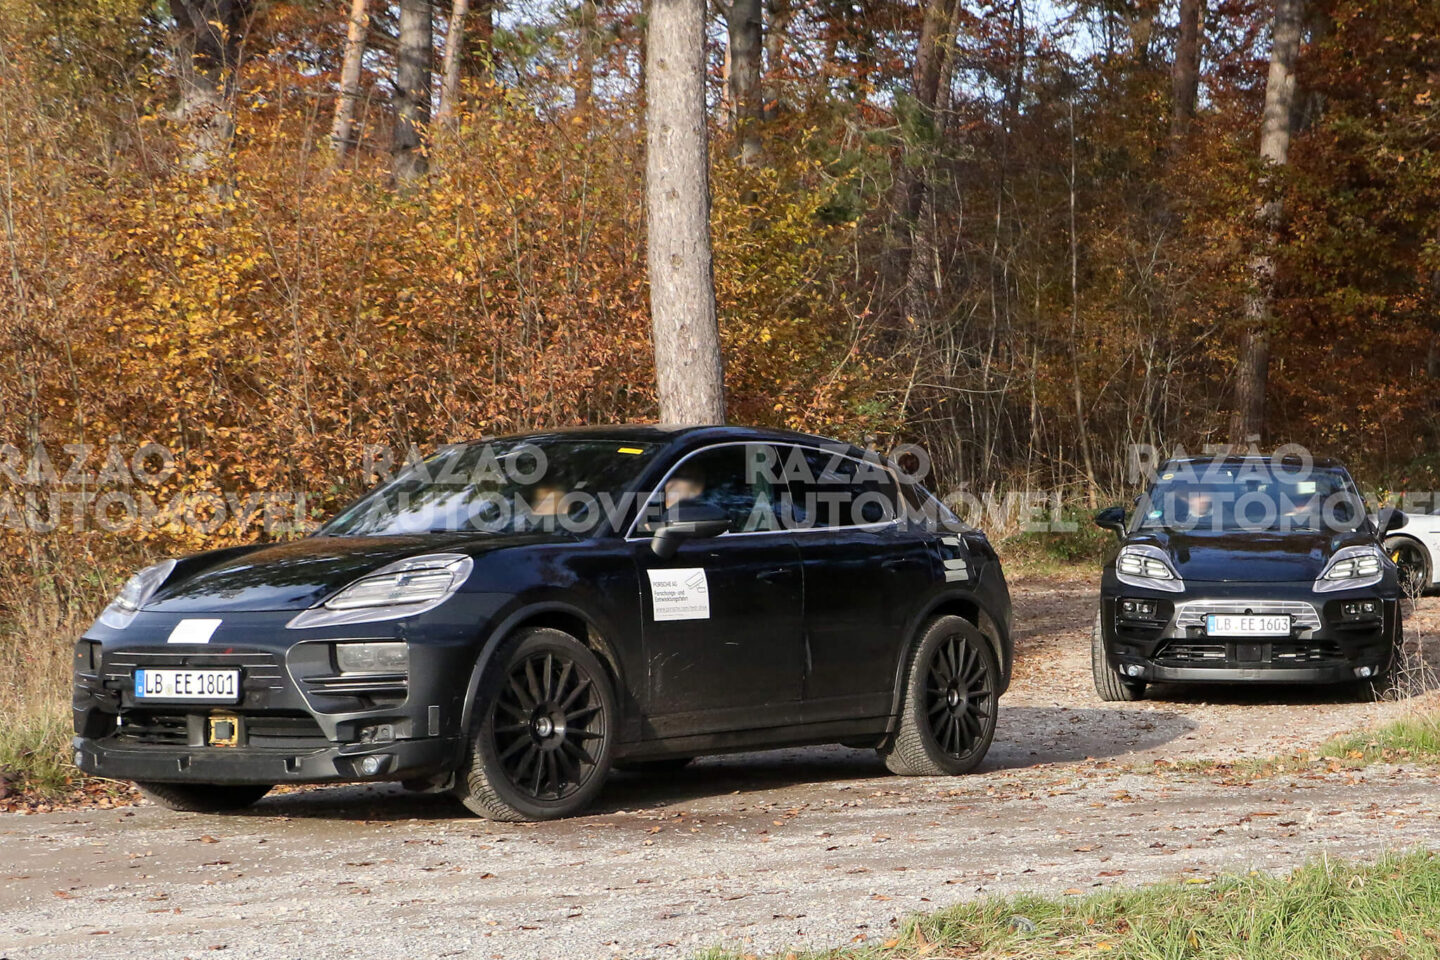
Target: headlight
(135,594)
(1141,565)
(401,589)
(372,658)
(1351,567)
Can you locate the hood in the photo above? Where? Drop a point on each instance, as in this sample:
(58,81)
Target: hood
(1242,556)
(300,573)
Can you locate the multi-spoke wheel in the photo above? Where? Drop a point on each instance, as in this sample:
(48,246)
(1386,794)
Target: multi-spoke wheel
(546,722)
(947,717)
(1414,564)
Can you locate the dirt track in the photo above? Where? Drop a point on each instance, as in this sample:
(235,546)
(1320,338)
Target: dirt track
(808,847)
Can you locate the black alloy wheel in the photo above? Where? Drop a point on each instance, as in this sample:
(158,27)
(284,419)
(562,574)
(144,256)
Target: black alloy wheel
(1414,565)
(951,702)
(545,730)
(552,715)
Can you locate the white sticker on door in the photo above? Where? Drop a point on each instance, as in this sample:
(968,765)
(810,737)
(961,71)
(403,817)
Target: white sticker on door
(680,594)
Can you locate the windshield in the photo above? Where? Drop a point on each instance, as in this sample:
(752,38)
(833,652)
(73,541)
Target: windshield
(1251,497)
(502,486)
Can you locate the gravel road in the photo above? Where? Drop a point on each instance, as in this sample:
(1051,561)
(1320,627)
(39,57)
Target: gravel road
(811,847)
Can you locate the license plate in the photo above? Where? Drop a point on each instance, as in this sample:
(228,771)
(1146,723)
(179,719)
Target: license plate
(214,686)
(1247,625)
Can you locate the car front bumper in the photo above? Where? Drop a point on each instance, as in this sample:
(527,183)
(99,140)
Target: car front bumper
(297,719)
(397,760)
(1324,645)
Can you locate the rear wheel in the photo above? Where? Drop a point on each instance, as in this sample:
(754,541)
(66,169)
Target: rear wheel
(950,703)
(545,729)
(1109,684)
(202,797)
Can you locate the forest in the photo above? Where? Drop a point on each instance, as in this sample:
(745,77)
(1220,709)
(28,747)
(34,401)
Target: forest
(1024,234)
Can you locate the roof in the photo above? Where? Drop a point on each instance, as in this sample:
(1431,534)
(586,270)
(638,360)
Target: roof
(667,433)
(1322,463)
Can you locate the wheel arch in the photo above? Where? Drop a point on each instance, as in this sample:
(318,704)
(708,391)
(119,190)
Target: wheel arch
(554,614)
(1419,542)
(968,608)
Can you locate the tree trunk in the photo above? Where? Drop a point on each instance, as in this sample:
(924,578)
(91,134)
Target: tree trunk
(746,39)
(1253,368)
(688,366)
(781,13)
(937,37)
(588,39)
(450,65)
(208,38)
(342,130)
(412,91)
(1185,73)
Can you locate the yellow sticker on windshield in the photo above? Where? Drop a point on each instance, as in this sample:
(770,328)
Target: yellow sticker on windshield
(629,450)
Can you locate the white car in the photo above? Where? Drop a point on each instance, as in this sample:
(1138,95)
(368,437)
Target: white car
(1414,546)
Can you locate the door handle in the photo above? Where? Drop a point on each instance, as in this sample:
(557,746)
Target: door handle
(776,575)
(898,563)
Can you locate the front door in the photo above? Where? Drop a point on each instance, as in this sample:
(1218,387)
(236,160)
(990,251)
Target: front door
(722,619)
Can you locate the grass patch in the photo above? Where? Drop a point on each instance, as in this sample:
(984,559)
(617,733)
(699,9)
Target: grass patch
(46,606)
(1385,911)
(1414,738)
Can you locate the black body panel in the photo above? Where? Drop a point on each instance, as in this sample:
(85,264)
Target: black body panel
(804,640)
(1337,634)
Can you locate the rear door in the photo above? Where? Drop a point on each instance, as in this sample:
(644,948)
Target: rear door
(865,570)
(722,619)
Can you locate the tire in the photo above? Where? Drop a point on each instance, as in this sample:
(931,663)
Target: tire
(202,797)
(949,704)
(544,730)
(1382,686)
(1111,687)
(661,766)
(1414,564)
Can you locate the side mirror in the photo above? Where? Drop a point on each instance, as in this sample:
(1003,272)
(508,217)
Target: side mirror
(1112,518)
(687,519)
(1390,519)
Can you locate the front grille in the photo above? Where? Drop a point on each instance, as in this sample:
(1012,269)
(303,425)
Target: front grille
(1194,652)
(259,669)
(278,731)
(1303,615)
(1249,654)
(165,729)
(1307,653)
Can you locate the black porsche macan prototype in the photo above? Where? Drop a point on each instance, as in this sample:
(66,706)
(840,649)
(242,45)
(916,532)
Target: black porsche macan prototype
(514,617)
(1248,569)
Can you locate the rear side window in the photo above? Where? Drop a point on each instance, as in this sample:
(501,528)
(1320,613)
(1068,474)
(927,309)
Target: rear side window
(828,489)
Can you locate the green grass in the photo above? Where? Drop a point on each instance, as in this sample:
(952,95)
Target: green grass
(35,753)
(1414,738)
(1386,911)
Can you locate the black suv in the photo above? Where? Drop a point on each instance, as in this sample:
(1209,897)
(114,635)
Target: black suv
(514,617)
(1247,569)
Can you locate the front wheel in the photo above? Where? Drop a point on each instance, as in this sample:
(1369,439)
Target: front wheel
(202,797)
(950,702)
(545,730)
(1109,684)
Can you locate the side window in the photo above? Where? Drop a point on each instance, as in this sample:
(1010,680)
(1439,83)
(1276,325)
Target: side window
(828,489)
(734,478)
